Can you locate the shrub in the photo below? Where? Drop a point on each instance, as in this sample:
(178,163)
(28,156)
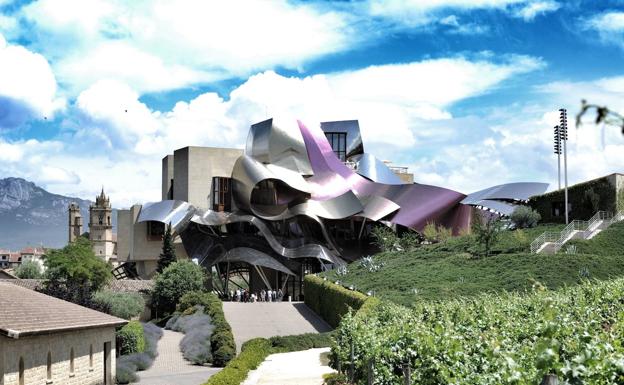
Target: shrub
(122,305)
(29,270)
(252,355)
(152,334)
(302,342)
(330,301)
(222,345)
(125,371)
(197,328)
(524,217)
(131,338)
(175,281)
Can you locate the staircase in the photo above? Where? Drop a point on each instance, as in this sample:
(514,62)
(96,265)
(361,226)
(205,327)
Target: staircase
(551,242)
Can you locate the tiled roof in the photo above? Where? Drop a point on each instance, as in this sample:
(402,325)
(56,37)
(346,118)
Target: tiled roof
(118,286)
(27,312)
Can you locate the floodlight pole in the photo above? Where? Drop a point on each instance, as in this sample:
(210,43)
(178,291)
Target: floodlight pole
(563,131)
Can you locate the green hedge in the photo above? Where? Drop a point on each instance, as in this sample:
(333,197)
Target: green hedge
(255,351)
(222,345)
(330,301)
(252,355)
(131,338)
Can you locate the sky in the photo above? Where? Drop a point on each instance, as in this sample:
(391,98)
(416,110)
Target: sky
(464,92)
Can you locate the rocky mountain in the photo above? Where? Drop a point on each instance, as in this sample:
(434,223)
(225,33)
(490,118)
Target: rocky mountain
(32,216)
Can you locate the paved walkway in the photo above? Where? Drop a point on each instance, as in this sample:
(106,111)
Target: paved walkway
(297,368)
(170,368)
(268,319)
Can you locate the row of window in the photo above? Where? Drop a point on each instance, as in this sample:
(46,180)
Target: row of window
(21,375)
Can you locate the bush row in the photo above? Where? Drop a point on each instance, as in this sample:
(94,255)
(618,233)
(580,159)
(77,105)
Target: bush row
(330,301)
(255,351)
(222,345)
(128,365)
(197,328)
(131,338)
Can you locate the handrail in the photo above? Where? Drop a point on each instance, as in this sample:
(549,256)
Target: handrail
(586,227)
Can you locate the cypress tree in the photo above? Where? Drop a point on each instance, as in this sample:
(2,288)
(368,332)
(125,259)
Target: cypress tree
(167,257)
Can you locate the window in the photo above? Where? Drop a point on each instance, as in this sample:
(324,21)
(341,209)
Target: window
(21,371)
(49,375)
(100,219)
(221,193)
(71,361)
(338,143)
(155,231)
(109,221)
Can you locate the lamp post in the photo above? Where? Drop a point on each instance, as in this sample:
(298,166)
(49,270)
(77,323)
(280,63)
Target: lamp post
(563,133)
(558,152)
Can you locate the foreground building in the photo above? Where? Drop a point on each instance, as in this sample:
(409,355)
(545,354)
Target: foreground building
(44,340)
(297,200)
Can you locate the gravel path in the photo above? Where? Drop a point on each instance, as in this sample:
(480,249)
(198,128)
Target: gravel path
(297,368)
(170,368)
(268,319)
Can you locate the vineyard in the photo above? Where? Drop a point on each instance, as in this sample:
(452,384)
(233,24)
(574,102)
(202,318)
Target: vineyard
(575,333)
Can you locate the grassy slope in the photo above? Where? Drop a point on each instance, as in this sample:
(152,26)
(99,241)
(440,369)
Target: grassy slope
(447,270)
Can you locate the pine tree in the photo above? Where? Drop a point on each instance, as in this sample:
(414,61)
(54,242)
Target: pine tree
(167,257)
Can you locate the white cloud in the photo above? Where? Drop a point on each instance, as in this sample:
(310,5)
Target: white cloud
(118,141)
(415,13)
(608,25)
(27,86)
(533,9)
(162,45)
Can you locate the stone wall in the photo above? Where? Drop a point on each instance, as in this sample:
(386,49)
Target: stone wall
(34,352)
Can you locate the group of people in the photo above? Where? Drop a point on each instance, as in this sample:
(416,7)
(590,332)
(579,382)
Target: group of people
(243,295)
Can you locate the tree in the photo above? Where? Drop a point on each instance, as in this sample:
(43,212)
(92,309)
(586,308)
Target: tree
(167,257)
(486,231)
(29,270)
(175,281)
(524,217)
(74,272)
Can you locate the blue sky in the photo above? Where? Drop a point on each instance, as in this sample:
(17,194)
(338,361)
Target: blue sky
(465,93)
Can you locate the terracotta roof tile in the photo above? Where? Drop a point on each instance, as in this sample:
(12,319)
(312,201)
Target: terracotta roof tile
(27,312)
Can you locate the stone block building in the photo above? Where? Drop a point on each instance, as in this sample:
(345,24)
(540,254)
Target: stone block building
(44,340)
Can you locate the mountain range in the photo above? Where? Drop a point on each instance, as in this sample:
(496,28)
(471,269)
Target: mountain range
(32,216)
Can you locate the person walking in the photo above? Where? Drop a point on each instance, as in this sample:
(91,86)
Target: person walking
(262,294)
(280,295)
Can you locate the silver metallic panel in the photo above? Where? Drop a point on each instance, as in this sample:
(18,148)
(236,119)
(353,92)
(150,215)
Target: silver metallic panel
(372,168)
(377,207)
(497,206)
(520,191)
(253,257)
(178,213)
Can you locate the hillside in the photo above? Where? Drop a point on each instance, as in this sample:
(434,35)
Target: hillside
(447,270)
(30,215)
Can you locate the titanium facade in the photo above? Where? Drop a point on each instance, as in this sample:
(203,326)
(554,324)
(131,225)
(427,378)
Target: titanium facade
(301,199)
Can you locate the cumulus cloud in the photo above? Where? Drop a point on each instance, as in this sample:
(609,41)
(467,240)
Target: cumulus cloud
(608,25)
(164,44)
(27,86)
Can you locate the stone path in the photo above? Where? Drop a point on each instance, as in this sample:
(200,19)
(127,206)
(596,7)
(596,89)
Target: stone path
(297,368)
(170,368)
(268,319)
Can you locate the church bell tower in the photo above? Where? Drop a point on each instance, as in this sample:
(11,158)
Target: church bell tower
(75,222)
(101,227)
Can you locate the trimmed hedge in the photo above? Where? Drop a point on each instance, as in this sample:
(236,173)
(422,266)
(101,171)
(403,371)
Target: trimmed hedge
(222,345)
(255,351)
(197,328)
(131,338)
(329,300)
